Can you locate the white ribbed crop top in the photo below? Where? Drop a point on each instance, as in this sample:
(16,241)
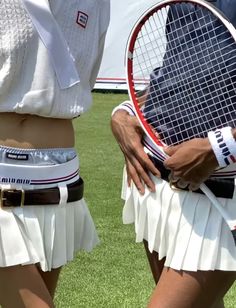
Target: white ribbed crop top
(27,80)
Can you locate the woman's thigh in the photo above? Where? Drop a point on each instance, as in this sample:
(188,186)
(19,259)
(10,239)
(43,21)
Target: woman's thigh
(50,279)
(23,286)
(156,265)
(183,289)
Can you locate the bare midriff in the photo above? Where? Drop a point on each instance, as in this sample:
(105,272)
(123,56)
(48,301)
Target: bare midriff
(34,132)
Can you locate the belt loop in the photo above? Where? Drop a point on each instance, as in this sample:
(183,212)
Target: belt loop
(63,193)
(234,193)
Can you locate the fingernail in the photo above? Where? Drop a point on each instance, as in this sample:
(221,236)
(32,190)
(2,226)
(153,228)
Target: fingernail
(141,192)
(151,189)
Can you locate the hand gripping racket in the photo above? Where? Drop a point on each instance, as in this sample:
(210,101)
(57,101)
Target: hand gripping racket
(181,75)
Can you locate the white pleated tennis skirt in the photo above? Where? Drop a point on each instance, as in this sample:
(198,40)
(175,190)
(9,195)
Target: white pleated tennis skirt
(48,235)
(184,227)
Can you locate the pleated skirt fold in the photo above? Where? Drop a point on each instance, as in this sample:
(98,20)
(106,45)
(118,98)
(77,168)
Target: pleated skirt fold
(49,235)
(184,227)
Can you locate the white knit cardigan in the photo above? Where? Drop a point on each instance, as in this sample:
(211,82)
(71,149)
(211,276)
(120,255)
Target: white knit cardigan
(27,80)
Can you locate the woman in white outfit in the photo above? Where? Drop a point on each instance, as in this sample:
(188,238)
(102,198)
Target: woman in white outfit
(50,52)
(190,247)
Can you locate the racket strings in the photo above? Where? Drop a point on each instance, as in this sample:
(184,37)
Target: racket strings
(219,91)
(142,72)
(191,112)
(147,41)
(148,68)
(201,97)
(186,89)
(197,95)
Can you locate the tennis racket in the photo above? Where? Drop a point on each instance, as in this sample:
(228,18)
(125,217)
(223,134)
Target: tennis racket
(181,75)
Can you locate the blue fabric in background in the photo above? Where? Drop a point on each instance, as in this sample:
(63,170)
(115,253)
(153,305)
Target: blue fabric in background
(172,87)
(228,7)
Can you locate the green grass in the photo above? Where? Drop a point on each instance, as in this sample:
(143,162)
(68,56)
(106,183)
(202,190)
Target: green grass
(116,273)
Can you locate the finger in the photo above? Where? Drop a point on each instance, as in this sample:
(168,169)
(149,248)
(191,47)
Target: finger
(129,179)
(140,156)
(189,177)
(177,182)
(134,177)
(140,177)
(168,163)
(150,166)
(182,184)
(194,186)
(173,177)
(171,150)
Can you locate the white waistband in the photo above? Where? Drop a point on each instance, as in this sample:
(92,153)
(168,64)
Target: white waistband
(39,175)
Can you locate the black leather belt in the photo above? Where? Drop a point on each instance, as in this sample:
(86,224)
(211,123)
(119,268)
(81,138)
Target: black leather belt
(48,196)
(221,187)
